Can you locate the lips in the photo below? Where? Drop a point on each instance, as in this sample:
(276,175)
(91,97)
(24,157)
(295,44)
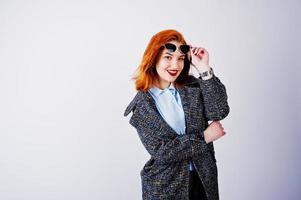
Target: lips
(172,72)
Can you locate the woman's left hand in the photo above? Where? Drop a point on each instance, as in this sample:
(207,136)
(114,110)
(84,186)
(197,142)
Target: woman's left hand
(214,131)
(200,57)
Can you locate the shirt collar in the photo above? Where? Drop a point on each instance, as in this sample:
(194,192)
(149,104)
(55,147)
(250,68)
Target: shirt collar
(157,91)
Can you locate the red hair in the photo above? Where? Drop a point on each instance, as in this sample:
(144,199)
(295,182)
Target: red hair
(146,72)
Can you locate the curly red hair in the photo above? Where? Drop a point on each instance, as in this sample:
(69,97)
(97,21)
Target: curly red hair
(146,72)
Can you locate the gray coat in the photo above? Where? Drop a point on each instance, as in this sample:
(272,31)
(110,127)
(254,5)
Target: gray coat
(165,176)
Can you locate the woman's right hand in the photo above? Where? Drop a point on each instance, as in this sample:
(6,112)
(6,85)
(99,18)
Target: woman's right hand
(214,131)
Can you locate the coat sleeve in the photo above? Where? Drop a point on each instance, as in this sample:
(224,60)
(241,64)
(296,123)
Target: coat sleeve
(175,149)
(215,98)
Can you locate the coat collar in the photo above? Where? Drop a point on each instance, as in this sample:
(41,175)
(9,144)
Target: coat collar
(187,94)
(157,91)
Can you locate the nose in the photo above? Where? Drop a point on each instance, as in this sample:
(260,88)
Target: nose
(175,64)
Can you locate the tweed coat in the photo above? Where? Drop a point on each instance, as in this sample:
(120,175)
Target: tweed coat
(165,176)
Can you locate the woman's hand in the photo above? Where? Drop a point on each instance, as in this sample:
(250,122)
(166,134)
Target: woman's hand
(200,57)
(214,131)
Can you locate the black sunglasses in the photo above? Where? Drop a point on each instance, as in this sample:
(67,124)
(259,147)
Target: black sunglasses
(184,48)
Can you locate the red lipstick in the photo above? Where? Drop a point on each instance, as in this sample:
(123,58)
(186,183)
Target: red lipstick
(172,72)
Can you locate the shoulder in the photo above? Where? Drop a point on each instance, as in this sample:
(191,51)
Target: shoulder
(192,81)
(133,104)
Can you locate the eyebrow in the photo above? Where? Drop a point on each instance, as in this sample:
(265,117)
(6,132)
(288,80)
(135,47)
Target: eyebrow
(182,55)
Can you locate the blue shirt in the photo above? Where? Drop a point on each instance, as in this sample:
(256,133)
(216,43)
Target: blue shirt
(169,105)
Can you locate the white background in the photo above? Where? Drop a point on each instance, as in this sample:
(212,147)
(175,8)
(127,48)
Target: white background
(65,69)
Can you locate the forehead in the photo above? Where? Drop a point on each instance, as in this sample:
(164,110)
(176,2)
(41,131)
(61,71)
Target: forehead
(175,42)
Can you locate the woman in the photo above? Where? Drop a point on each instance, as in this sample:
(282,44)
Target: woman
(171,111)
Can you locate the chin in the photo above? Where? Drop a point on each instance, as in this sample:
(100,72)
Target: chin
(169,79)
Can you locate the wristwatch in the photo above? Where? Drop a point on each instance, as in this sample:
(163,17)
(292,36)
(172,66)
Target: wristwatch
(206,73)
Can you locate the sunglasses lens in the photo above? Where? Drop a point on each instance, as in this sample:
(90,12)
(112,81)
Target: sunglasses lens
(184,48)
(170,47)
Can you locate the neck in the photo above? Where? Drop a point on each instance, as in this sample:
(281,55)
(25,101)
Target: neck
(162,85)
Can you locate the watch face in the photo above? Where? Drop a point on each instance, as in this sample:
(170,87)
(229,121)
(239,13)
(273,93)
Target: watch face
(204,74)
(207,73)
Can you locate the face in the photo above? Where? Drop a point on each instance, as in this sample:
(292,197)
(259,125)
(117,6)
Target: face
(169,66)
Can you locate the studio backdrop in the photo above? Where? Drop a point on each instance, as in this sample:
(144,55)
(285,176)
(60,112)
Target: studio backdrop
(65,81)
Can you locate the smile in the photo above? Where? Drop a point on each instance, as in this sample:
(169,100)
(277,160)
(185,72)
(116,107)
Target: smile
(172,72)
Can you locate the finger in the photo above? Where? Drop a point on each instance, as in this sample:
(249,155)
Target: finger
(201,51)
(222,133)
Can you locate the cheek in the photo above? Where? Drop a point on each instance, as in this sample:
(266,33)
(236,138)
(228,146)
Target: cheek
(161,66)
(181,65)
(160,69)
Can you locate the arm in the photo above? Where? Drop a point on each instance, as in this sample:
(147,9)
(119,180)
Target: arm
(213,91)
(179,148)
(215,98)
(175,149)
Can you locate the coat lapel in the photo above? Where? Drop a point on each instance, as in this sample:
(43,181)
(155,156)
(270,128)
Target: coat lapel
(187,95)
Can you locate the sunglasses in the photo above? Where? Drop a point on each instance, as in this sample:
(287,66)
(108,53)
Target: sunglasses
(184,48)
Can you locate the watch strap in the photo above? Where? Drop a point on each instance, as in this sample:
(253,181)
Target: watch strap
(206,73)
